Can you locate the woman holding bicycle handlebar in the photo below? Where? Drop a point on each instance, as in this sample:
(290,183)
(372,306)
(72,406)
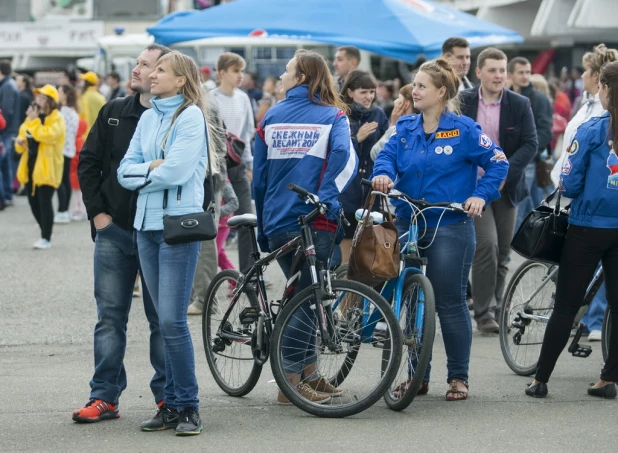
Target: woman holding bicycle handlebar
(590,177)
(434,156)
(304,139)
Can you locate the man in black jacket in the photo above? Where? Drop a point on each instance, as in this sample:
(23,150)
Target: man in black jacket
(507,119)
(520,70)
(111,212)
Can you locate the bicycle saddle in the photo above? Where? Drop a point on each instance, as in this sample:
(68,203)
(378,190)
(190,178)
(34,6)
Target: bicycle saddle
(242,221)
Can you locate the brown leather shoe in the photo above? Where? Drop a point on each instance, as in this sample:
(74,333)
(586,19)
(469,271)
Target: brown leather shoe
(488,325)
(323,386)
(306,392)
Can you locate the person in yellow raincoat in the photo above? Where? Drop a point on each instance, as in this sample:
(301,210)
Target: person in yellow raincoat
(91,101)
(40,142)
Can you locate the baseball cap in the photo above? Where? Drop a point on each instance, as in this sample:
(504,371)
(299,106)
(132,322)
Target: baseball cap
(48,90)
(90,77)
(205,70)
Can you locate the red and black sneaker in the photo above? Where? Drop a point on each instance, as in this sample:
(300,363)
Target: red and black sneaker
(95,411)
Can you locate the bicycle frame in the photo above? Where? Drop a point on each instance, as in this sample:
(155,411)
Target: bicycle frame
(304,249)
(591,291)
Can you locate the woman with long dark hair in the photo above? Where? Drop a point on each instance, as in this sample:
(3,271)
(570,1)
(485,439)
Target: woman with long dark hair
(305,140)
(40,142)
(590,177)
(368,123)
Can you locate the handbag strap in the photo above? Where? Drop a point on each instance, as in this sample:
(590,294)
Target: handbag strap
(209,176)
(551,196)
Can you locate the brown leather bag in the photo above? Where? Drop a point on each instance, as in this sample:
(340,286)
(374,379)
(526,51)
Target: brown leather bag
(374,257)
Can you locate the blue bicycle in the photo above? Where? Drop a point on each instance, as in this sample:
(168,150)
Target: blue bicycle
(412,297)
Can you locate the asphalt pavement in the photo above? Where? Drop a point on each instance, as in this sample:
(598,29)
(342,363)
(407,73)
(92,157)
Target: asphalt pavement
(47,318)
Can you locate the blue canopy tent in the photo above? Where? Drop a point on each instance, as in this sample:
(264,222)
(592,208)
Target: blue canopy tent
(401,29)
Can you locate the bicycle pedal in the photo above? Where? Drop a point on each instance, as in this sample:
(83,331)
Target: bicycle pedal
(249,315)
(581,351)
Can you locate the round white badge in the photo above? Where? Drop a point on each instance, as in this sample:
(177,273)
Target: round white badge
(448,150)
(439,150)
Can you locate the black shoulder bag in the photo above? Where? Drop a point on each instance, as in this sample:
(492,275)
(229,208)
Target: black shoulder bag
(542,233)
(199,226)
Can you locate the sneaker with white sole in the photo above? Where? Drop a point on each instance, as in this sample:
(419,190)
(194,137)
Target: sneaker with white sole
(42,244)
(595,335)
(62,217)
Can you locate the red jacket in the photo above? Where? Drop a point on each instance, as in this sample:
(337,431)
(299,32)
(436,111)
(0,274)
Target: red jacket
(79,143)
(2,121)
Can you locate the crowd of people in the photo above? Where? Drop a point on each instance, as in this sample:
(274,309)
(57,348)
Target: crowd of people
(125,159)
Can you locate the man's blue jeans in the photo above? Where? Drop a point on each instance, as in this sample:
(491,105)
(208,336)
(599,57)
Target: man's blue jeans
(115,267)
(169,271)
(6,168)
(449,261)
(298,348)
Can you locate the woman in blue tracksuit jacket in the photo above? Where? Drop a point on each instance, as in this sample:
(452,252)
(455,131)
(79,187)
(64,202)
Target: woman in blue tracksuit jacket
(305,140)
(435,156)
(168,156)
(590,177)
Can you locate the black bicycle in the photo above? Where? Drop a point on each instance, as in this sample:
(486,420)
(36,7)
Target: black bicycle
(336,318)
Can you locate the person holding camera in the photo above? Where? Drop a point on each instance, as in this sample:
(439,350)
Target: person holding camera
(40,142)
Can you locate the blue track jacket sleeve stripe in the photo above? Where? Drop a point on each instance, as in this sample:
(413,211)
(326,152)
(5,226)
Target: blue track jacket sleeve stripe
(260,180)
(342,164)
(484,153)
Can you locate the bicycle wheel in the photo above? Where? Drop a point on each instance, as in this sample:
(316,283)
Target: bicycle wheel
(606,336)
(417,300)
(230,360)
(295,341)
(521,337)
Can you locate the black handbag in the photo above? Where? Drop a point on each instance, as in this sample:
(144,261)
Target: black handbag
(199,226)
(542,233)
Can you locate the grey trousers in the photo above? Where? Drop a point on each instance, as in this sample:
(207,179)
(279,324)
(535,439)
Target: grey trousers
(207,265)
(242,188)
(494,231)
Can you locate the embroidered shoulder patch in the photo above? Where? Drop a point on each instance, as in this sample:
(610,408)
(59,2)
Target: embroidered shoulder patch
(485,141)
(448,134)
(567,167)
(499,156)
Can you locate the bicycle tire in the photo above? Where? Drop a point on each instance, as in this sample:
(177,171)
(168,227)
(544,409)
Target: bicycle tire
(351,403)
(212,356)
(426,346)
(605,336)
(513,297)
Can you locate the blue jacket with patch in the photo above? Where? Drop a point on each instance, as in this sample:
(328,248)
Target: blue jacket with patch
(590,176)
(443,167)
(184,168)
(304,143)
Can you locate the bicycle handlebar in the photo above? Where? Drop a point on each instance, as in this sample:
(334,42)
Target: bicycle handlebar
(299,190)
(423,204)
(313,199)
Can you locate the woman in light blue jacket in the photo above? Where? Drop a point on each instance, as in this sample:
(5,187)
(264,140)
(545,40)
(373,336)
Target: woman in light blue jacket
(168,157)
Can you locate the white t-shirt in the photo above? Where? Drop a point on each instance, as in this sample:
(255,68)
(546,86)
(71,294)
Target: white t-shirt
(237,113)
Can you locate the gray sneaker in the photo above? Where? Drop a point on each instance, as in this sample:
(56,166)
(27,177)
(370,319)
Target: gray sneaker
(165,418)
(189,423)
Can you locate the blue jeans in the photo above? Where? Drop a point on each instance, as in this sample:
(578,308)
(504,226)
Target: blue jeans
(6,169)
(169,271)
(593,319)
(115,267)
(449,261)
(299,335)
